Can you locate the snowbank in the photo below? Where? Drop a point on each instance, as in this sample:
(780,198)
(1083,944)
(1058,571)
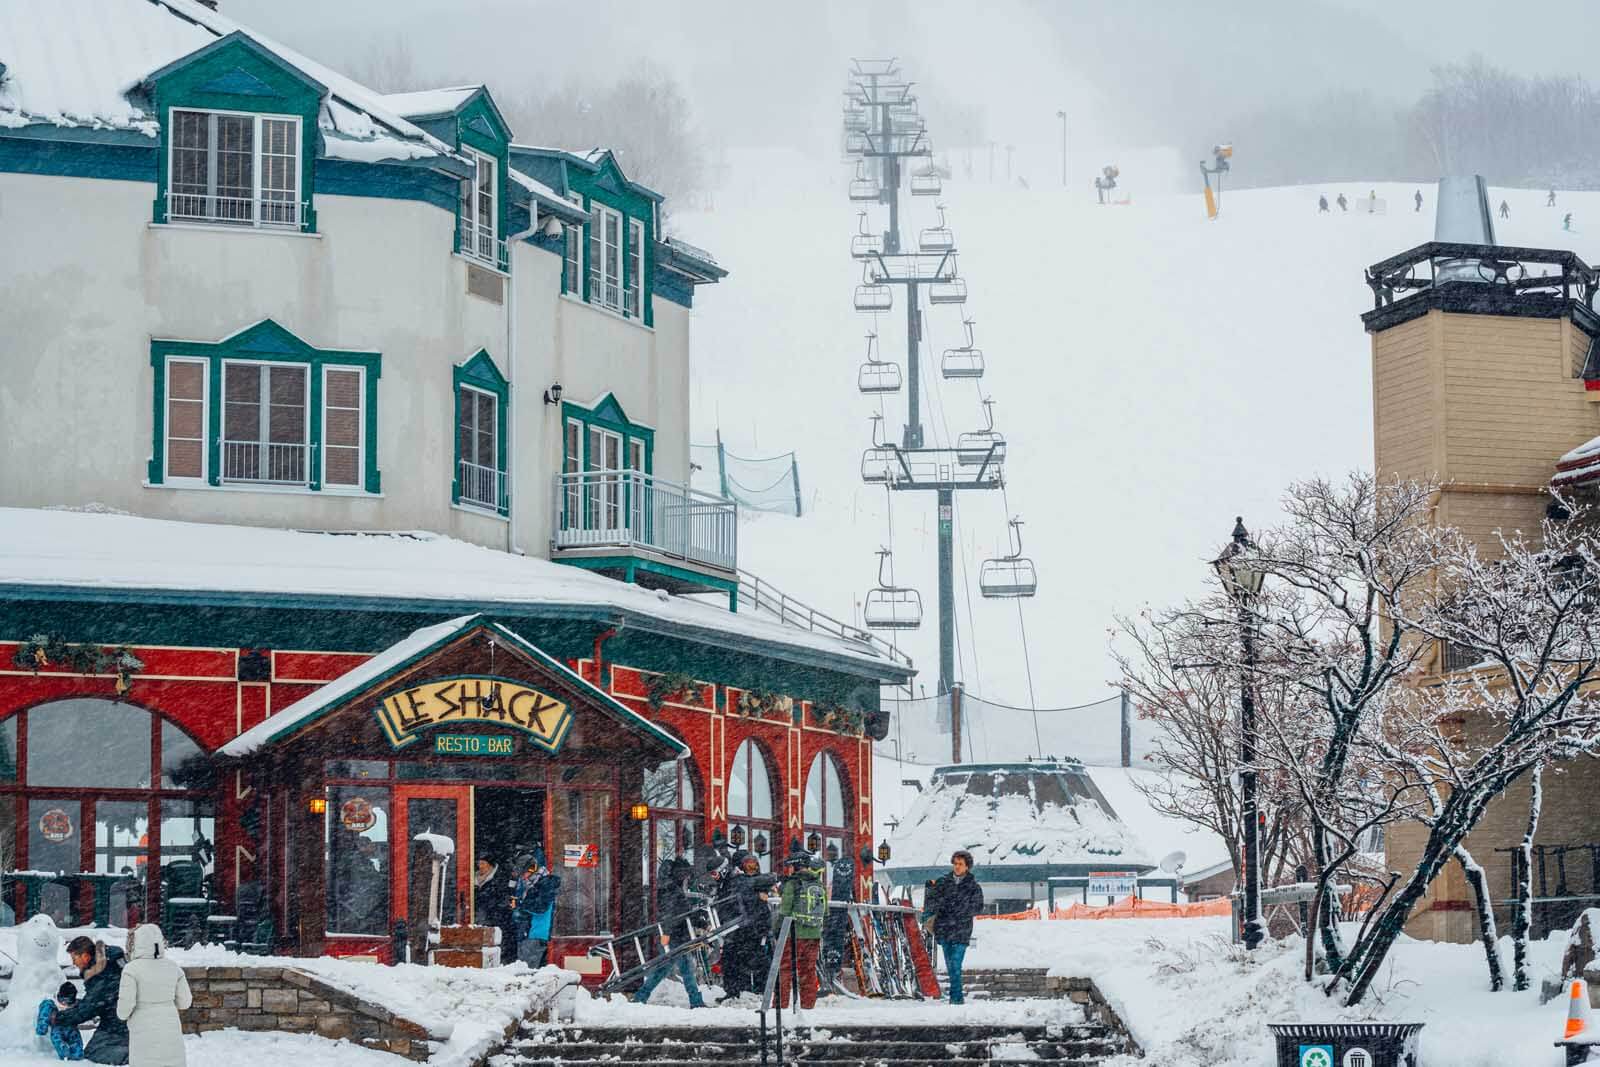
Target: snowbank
(1193,1000)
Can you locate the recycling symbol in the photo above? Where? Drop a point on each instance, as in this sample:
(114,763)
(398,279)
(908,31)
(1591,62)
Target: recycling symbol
(1316,1056)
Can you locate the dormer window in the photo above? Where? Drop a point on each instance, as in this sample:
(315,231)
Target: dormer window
(605,257)
(234,169)
(480,210)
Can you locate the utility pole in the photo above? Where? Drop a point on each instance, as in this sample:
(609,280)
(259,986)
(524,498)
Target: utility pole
(1062,115)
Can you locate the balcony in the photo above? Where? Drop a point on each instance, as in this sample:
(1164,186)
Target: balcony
(267,212)
(265,463)
(634,526)
(481,487)
(479,243)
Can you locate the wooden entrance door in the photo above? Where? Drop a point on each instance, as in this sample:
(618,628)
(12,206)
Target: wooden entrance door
(444,811)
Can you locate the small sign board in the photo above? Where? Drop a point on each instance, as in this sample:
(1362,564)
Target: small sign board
(1113,883)
(1316,1056)
(471,745)
(580,855)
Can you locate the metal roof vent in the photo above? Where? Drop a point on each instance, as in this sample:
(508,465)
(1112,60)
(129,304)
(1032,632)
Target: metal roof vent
(1462,218)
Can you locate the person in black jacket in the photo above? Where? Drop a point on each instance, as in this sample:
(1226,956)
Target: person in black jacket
(674,901)
(101,968)
(836,928)
(949,906)
(745,952)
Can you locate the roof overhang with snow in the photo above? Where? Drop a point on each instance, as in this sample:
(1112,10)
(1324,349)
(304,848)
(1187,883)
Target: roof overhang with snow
(434,656)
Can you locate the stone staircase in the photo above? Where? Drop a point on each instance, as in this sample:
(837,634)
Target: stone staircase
(1083,1044)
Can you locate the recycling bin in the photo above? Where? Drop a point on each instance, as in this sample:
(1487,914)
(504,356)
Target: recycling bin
(1346,1044)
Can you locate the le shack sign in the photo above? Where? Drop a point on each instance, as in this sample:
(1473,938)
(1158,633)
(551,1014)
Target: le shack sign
(467,701)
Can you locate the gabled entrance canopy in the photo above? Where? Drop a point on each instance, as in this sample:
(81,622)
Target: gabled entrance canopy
(465,687)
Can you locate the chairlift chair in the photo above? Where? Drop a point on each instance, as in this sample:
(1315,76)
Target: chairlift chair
(864,245)
(963,362)
(926,183)
(953,291)
(891,607)
(863,187)
(855,141)
(880,462)
(937,238)
(1011,576)
(986,446)
(877,376)
(871,296)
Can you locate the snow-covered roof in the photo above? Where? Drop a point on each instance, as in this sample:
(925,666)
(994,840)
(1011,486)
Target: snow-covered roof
(1009,816)
(89,550)
(74,62)
(327,697)
(538,188)
(1578,466)
(429,101)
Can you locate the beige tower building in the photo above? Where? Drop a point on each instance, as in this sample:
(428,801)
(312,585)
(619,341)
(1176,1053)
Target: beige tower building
(1486,376)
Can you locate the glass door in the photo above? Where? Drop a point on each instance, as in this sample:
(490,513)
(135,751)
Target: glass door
(433,828)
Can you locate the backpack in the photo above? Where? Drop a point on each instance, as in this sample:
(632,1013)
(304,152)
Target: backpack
(810,905)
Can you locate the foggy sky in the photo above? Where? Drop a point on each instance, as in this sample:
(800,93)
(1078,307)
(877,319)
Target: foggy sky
(1147,73)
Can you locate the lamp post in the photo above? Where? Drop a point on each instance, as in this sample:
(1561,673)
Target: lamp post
(1242,583)
(1062,115)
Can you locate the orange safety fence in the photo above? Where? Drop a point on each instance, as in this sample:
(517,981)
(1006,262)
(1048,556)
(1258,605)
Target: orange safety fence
(1128,908)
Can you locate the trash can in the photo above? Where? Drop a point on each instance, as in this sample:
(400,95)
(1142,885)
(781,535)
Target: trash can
(1346,1044)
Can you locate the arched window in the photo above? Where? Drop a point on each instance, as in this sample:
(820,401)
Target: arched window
(102,789)
(750,807)
(825,812)
(674,827)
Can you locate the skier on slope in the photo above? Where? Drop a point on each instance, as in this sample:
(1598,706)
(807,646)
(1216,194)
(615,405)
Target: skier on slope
(1344,205)
(1566,221)
(1322,204)
(1505,211)
(1418,199)
(1551,201)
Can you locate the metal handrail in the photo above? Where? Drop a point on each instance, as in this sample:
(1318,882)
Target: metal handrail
(762,595)
(263,211)
(479,242)
(267,462)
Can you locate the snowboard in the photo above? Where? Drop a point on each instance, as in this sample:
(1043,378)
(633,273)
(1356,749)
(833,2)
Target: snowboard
(927,981)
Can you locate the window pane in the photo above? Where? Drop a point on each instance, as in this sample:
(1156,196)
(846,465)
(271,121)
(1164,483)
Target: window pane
(287,402)
(8,755)
(241,401)
(813,803)
(190,180)
(183,764)
(89,743)
(466,411)
(8,849)
(486,428)
(341,427)
(357,841)
(661,785)
(54,837)
(834,796)
(582,817)
(121,839)
(739,784)
(280,157)
(235,168)
(188,838)
(596,251)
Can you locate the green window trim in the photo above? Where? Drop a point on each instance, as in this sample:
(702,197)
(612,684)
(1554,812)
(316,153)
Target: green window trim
(265,342)
(478,126)
(479,373)
(235,75)
(632,215)
(606,414)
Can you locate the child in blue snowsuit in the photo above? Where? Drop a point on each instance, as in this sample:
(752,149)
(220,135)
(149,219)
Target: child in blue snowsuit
(533,903)
(66,1040)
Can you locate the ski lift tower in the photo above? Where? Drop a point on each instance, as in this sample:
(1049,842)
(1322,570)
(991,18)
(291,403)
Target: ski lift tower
(883,110)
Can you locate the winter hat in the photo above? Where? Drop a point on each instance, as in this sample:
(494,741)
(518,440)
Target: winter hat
(798,856)
(678,868)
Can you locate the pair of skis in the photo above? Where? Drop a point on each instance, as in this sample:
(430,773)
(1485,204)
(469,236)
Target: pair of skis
(889,953)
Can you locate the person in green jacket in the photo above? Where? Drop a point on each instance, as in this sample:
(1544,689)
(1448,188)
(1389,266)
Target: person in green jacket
(805,901)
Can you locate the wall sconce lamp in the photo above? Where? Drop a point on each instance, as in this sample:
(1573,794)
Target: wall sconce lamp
(552,395)
(317,805)
(639,812)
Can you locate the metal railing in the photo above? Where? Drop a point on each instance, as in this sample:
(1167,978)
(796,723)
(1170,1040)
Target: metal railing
(480,485)
(477,241)
(266,210)
(761,595)
(1514,272)
(267,463)
(624,508)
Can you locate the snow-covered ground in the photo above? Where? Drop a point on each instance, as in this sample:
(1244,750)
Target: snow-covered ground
(1193,1000)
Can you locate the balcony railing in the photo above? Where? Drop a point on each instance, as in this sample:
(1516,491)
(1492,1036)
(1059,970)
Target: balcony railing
(478,242)
(481,486)
(268,463)
(266,211)
(762,596)
(631,509)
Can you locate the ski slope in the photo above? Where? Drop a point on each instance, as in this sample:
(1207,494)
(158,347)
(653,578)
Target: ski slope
(1154,374)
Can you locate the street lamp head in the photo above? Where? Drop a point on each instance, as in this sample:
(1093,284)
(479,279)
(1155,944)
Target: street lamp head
(1061,114)
(1241,580)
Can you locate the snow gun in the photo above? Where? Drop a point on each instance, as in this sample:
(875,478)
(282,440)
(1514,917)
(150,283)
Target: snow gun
(1221,153)
(1107,182)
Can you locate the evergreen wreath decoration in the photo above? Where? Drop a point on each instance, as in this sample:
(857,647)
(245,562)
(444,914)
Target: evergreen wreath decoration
(44,650)
(674,686)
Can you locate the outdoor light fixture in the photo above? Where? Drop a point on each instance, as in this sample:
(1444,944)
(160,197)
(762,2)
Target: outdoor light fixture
(552,395)
(883,852)
(813,841)
(1237,578)
(1242,582)
(761,844)
(736,837)
(639,812)
(317,805)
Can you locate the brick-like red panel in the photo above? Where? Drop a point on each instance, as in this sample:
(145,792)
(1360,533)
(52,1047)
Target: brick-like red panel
(315,666)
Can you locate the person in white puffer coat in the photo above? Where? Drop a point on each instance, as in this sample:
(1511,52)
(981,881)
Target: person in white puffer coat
(152,993)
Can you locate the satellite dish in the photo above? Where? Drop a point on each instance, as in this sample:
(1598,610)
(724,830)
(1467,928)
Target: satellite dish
(1173,862)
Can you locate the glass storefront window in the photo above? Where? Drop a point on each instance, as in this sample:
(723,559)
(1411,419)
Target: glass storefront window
(750,802)
(189,833)
(89,743)
(183,765)
(582,817)
(357,857)
(8,750)
(8,856)
(55,843)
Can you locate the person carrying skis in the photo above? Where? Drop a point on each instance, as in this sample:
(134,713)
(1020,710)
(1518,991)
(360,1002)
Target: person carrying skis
(949,906)
(1322,204)
(745,957)
(673,903)
(1344,205)
(1418,198)
(1505,212)
(805,902)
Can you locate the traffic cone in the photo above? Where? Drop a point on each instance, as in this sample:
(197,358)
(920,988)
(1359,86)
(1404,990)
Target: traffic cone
(1577,1009)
